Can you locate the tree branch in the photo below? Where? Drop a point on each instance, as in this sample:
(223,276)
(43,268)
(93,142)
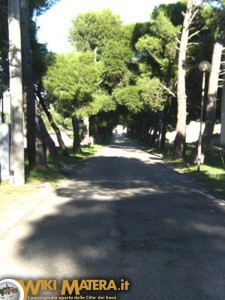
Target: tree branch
(193,15)
(177,39)
(193,43)
(197,32)
(167,89)
(53,124)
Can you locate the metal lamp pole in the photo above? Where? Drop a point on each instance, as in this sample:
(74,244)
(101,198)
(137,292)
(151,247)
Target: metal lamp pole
(204,67)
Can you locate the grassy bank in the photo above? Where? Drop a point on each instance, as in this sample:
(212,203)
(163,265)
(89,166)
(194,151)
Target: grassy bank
(54,171)
(61,167)
(212,172)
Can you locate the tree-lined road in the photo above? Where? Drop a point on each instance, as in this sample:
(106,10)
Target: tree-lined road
(125,214)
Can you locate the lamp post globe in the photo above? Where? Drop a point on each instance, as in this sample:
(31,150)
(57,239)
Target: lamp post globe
(204,66)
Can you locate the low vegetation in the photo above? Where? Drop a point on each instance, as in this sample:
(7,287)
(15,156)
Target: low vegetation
(212,172)
(62,167)
(55,171)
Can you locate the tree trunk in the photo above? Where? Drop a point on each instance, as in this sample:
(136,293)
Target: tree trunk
(15,82)
(162,136)
(222,135)
(85,133)
(28,84)
(45,144)
(54,126)
(76,135)
(41,159)
(180,140)
(212,94)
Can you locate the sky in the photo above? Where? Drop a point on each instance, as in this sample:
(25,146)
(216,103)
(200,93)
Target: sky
(54,25)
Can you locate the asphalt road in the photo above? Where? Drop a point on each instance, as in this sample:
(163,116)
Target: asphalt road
(125,214)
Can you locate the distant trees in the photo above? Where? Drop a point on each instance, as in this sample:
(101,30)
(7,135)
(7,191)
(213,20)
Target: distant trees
(145,67)
(158,50)
(132,74)
(103,34)
(163,56)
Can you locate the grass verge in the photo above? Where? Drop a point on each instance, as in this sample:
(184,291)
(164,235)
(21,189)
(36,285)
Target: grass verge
(54,171)
(212,172)
(62,166)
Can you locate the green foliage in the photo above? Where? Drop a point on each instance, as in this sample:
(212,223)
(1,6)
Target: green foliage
(115,57)
(104,82)
(145,95)
(139,30)
(151,44)
(130,97)
(151,93)
(101,101)
(68,123)
(72,78)
(40,6)
(174,12)
(163,27)
(160,44)
(103,33)
(91,30)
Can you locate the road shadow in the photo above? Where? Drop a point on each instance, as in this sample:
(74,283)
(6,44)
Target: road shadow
(134,219)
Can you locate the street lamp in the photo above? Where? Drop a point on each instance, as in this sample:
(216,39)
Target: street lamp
(204,67)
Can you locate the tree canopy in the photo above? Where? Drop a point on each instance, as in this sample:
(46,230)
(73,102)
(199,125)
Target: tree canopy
(123,73)
(93,29)
(138,62)
(72,79)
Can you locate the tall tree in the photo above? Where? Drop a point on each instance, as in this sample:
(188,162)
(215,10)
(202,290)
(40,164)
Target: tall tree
(4,41)
(15,67)
(222,135)
(72,79)
(90,31)
(28,84)
(158,50)
(53,124)
(103,33)
(213,82)
(28,9)
(180,140)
